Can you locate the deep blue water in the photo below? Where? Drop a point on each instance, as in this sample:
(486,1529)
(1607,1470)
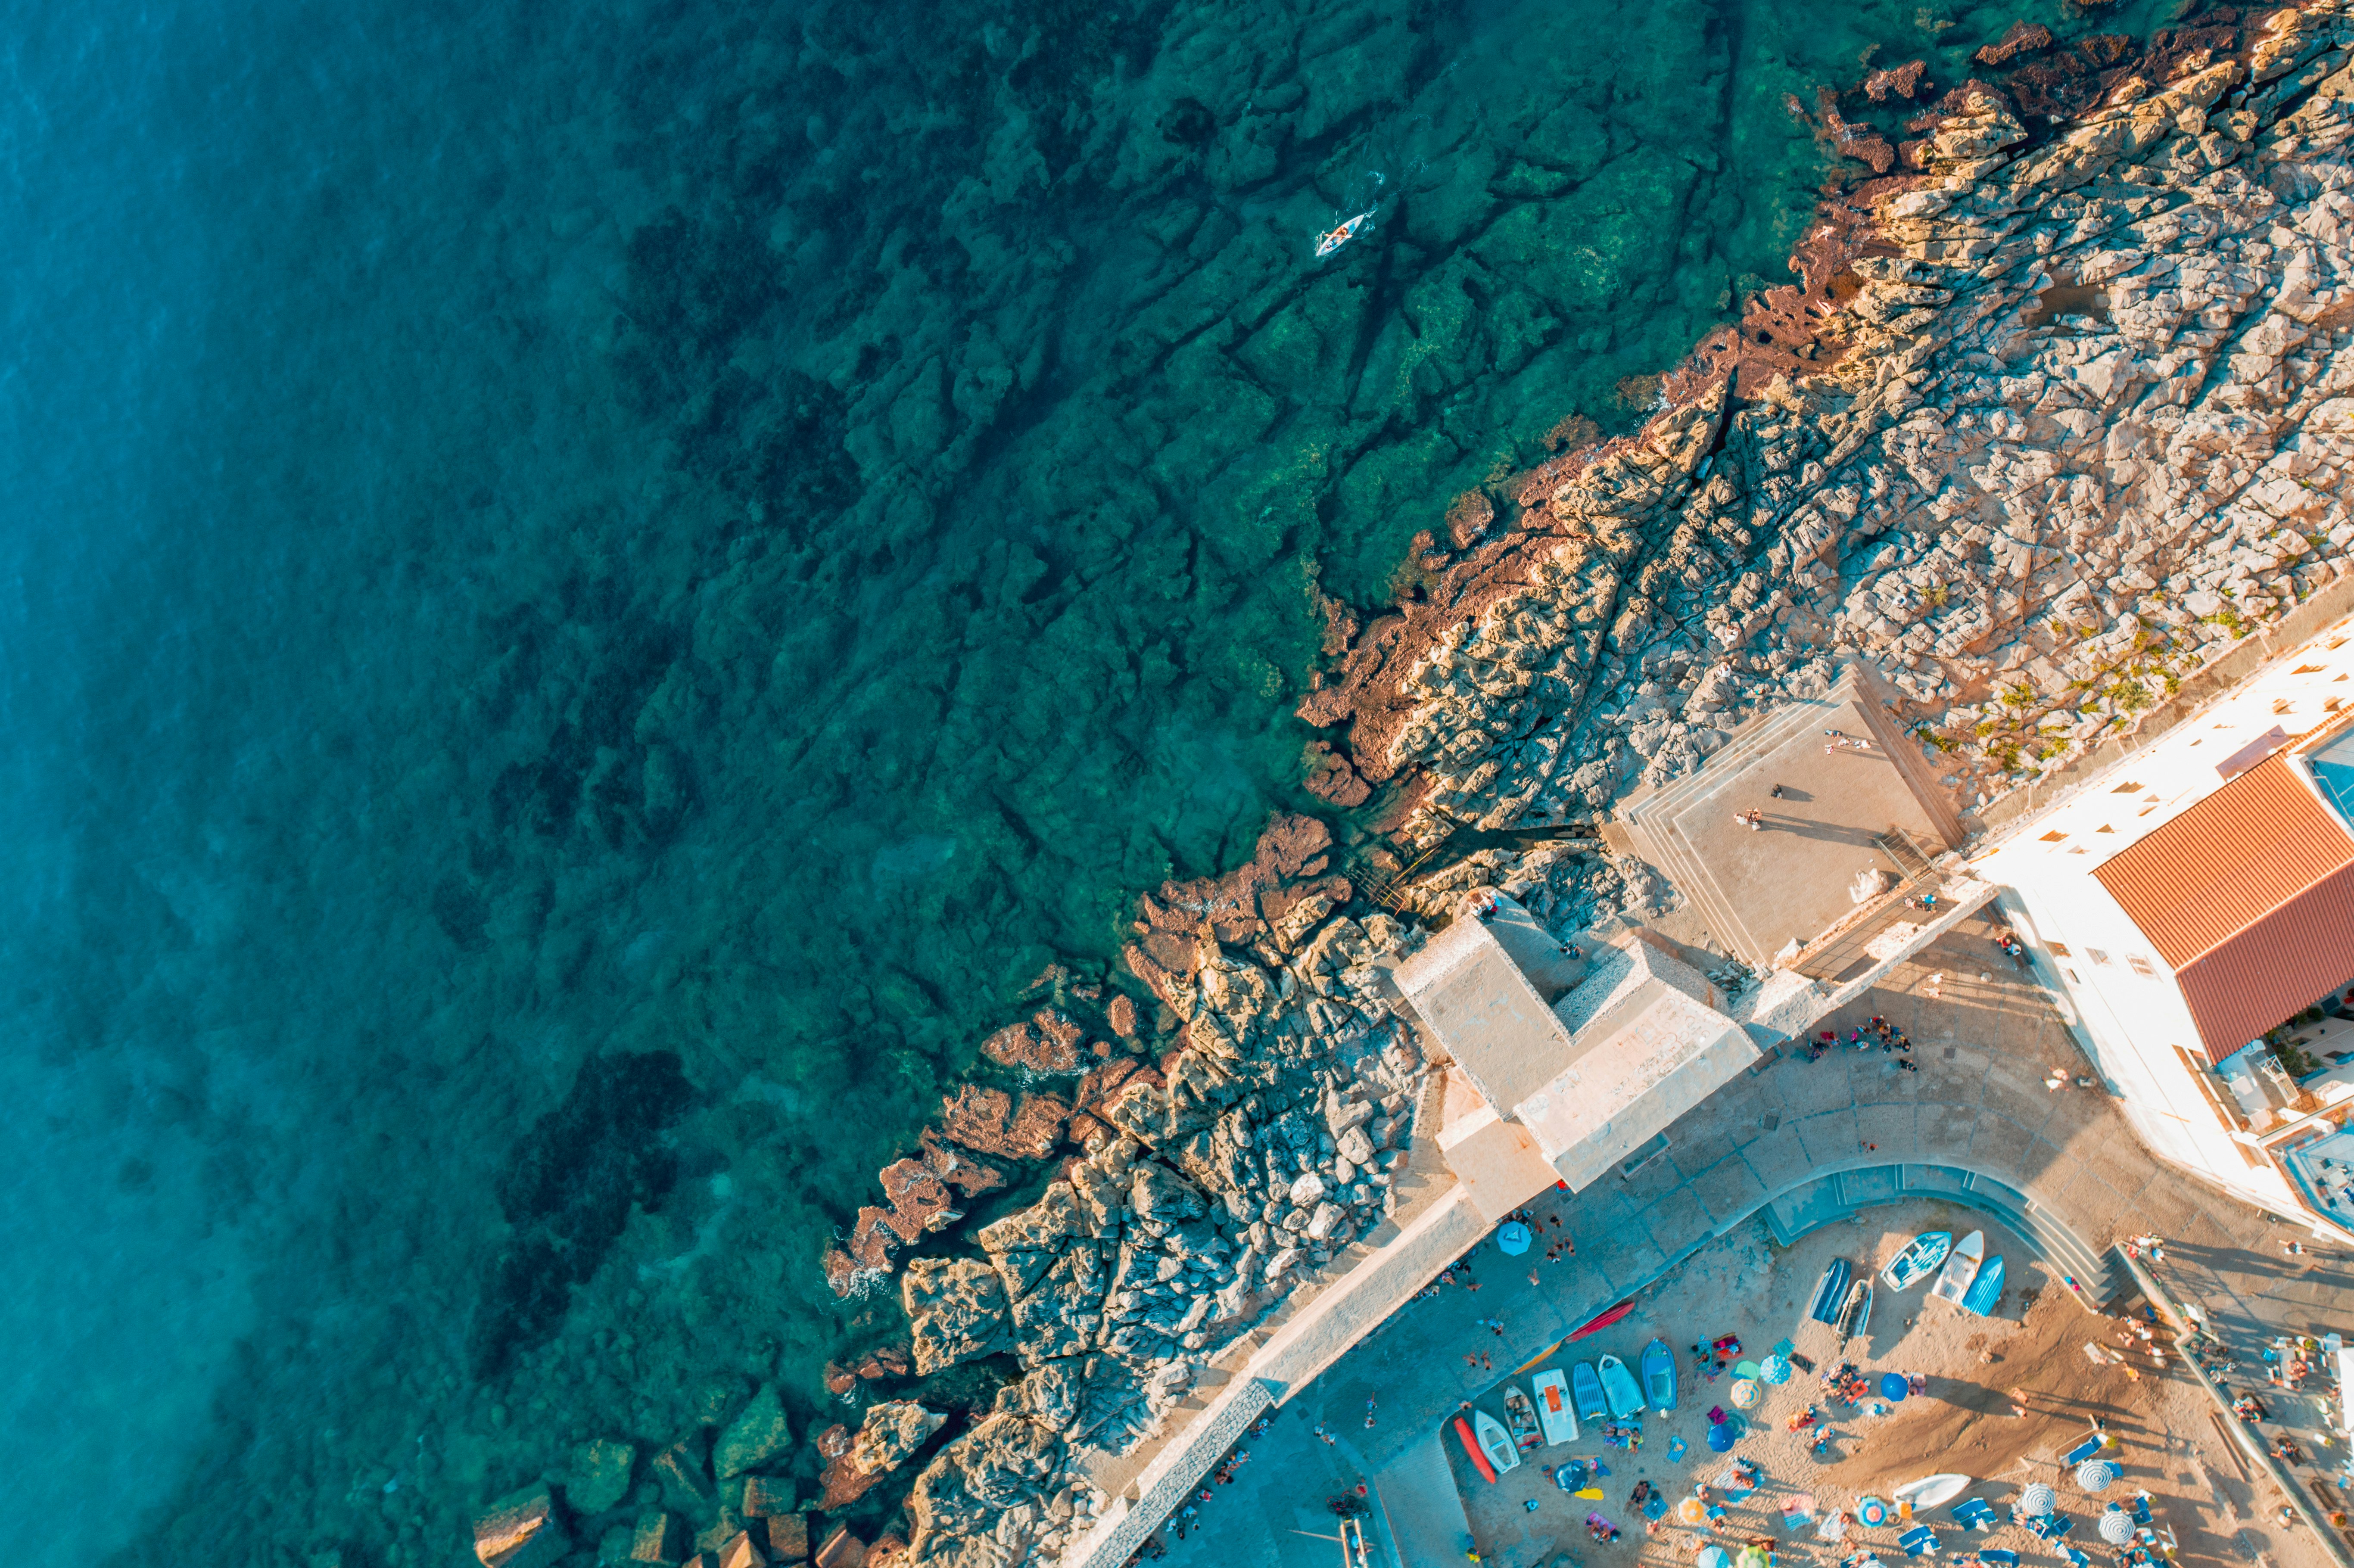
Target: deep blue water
(711,542)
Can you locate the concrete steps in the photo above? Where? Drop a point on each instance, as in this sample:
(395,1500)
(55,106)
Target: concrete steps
(1815,1203)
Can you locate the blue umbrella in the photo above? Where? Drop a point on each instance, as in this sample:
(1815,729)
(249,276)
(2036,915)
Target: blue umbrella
(1893,1386)
(1513,1237)
(1713,1557)
(1720,1437)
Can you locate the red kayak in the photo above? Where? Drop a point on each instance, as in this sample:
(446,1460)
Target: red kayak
(1598,1324)
(1472,1447)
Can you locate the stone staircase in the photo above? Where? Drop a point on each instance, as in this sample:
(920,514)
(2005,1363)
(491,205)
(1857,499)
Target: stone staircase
(1815,1203)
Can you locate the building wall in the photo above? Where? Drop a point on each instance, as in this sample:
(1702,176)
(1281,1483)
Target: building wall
(2135,1026)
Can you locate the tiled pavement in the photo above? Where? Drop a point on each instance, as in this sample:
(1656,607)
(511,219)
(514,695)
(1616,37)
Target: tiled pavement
(1816,1139)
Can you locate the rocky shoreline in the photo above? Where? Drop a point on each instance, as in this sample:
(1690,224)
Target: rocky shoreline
(2053,417)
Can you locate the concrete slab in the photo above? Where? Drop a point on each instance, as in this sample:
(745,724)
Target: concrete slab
(1420,1505)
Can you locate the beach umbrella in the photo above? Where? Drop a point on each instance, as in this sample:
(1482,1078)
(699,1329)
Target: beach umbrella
(2093,1475)
(1754,1557)
(1691,1510)
(1870,1511)
(1720,1437)
(1713,1557)
(1775,1369)
(1513,1237)
(1893,1386)
(1747,1395)
(2037,1500)
(2116,1526)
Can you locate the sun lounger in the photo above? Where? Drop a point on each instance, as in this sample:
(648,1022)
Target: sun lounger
(1996,1555)
(1918,1541)
(1974,1513)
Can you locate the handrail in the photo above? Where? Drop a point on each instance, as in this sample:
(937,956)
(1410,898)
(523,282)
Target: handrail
(2330,1539)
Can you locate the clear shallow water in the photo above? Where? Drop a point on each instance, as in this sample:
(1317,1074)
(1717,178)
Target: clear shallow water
(692,532)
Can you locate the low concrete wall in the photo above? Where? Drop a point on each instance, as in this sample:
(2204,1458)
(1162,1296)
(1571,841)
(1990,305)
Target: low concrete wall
(1292,1356)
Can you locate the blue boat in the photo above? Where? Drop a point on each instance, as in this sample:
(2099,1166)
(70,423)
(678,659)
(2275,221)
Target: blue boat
(1619,1386)
(1985,1290)
(1585,1392)
(1830,1292)
(1659,1376)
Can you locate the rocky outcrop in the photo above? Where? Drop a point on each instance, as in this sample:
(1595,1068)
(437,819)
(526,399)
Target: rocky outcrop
(2070,418)
(887,1438)
(957,1308)
(998,1495)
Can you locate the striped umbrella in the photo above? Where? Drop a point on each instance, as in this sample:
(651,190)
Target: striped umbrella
(2116,1526)
(2094,1475)
(2037,1500)
(1714,1557)
(1747,1395)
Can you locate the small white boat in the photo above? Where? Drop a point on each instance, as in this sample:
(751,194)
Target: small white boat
(1931,1491)
(1495,1442)
(1334,240)
(1553,1408)
(1954,1280)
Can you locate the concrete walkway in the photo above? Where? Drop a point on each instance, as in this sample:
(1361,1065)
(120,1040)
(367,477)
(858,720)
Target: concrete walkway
(1805,1143)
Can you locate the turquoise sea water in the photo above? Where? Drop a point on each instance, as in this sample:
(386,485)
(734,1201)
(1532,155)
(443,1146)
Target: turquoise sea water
(587,594)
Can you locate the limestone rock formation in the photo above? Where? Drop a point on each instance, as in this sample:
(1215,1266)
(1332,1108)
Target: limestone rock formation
(957,1308)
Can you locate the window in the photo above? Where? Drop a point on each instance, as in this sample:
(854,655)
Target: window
(2059,949)
(2097,956)
(2125,788)
(2053,838)
(2308,669)
(2140,966)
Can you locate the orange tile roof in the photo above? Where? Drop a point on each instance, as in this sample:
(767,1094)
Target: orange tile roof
(2249,897)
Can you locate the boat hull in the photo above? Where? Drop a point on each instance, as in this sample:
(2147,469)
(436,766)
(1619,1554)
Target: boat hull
(1554,1410)
(1495,1442)
(1917,1261)
(1953,1281)
(1620,1390)
(1831,1293)
(1985,1290)
(1585,1390)
(1659,1376)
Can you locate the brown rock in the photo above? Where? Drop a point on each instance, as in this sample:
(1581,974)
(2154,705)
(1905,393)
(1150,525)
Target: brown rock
(842,1550)
(702,1559)
(2024,39)
(887,1551)
(767,1497)
(1121,1016)
(789,1536)
(891,1361)
(960,1169)
(993,1121)
(872,1240)
(838,1379)
(918,1198)
(1330,777)
(1896,81)
(521,1530)
(685,1471)
(1468,516)
(742,1552)
(660,1537)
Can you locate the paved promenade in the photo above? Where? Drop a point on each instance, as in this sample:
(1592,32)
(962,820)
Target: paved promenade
(1807,1143)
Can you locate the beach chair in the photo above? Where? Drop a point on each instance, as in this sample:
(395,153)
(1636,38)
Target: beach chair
(1998,1556)
(2082,1451)
(2076,1558)
(2141,1507)
(2051,1529)
(1918,1541)
(1974,1513)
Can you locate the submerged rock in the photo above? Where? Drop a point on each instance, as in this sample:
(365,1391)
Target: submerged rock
(756,1436)
(599,1475)
(521,1530)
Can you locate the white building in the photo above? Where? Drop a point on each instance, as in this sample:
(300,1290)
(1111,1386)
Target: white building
(2193,896)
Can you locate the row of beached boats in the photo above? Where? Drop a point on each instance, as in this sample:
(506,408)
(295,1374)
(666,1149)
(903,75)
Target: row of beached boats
(1964,1279)
(1602,1389)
